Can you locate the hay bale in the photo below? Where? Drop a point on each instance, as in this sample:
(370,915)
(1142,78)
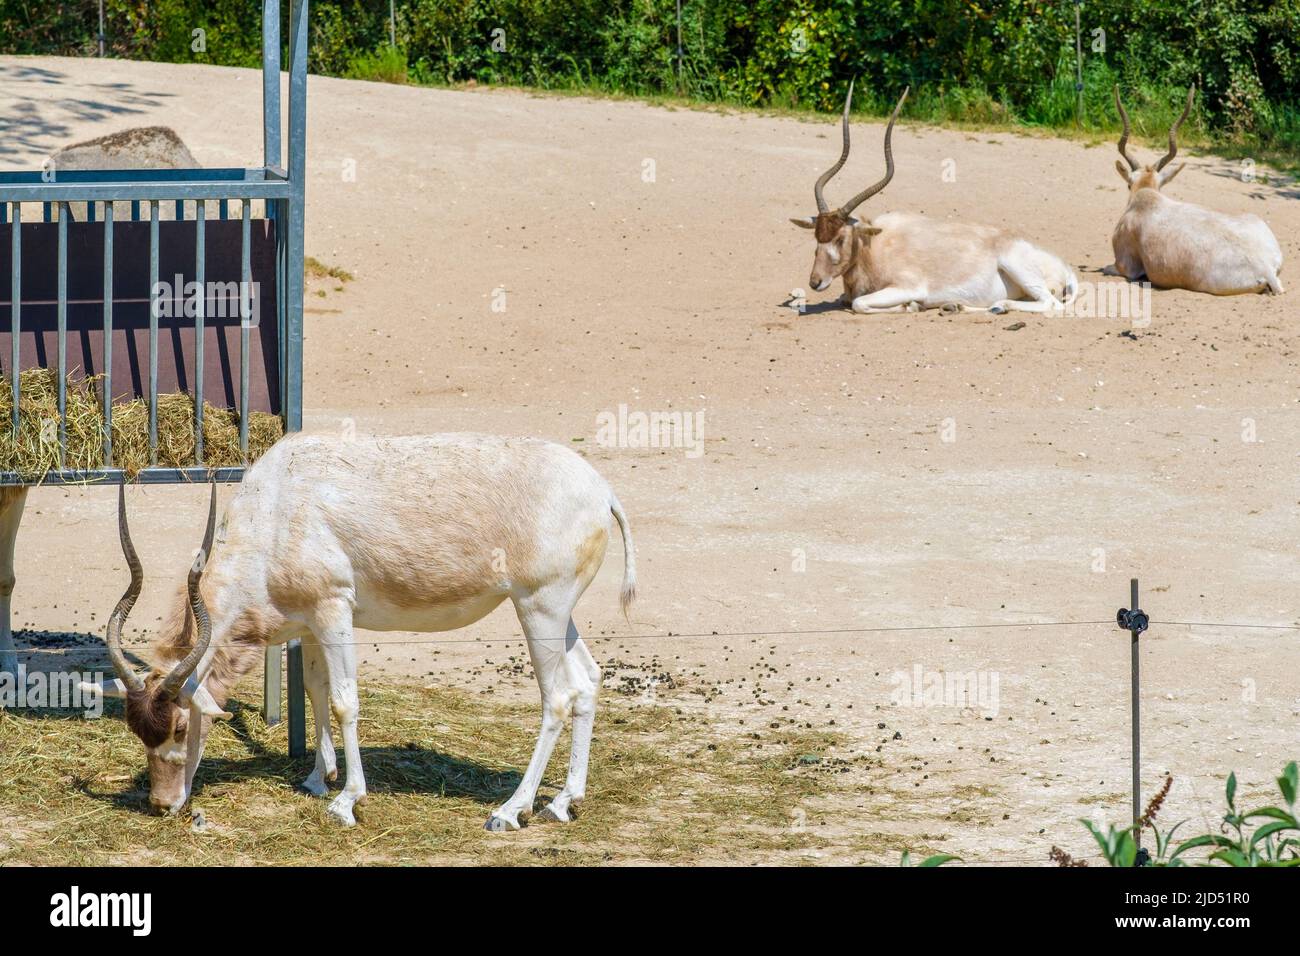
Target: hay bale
(34,450)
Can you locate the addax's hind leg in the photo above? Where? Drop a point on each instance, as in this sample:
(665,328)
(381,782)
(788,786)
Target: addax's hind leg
(583,676)
(1030,281)
(545,619)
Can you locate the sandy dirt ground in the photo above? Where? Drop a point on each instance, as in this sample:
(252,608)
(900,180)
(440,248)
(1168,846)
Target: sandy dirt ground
(827,496)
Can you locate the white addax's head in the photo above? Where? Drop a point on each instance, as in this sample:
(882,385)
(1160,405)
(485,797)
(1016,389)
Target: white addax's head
(836,230)
(161,704)
(1150,176)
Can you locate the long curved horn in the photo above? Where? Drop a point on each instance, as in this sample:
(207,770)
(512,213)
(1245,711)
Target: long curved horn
(839,163)
(1123,139)
(113,638)
(870,191)
(1173,130)
(171,685)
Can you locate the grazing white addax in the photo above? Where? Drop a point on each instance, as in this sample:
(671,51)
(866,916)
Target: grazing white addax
(904,261)
(415,534)
(1179,245)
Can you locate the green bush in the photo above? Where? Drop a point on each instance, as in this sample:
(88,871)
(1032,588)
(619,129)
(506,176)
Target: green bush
(984,61)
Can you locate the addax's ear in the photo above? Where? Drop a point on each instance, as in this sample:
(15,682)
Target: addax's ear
(806,223)
(1122,168)
(866,229)
(207,705)
(1168,174)
(109,688)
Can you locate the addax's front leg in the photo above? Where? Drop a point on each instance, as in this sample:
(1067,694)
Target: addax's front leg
(11,512)
(888,299)
(316,677)
(333,629)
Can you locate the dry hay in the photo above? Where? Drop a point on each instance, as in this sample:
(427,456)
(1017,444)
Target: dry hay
(34,451)
(664,787)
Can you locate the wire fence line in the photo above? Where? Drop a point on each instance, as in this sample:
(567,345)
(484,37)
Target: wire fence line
(698,635)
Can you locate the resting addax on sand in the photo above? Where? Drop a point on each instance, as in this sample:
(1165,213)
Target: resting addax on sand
(902,261)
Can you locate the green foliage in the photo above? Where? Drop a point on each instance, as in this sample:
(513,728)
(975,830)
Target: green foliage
(982,61)
(939,859)
(1268,836)
(385,65)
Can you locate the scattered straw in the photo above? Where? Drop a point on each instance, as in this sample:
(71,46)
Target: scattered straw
(34,451)
(664,787)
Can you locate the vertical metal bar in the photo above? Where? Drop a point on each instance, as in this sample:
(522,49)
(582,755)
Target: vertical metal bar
(90,212)
(293,286)
(200,237)
(135,210)
(153,331)
(180,210)
(297,703)
(271,82)
(63,333)
(272,678)
(222,209)
(15,309)
(107,400)
(46,212)
(246,321)
(1137,732)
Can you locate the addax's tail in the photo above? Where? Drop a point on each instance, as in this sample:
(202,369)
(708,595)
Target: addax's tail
(628,594)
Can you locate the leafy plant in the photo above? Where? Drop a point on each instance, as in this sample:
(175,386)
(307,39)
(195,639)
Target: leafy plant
(1267,836)
(939,859)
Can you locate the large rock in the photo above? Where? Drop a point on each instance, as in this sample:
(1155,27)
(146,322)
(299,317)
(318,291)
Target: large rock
(140,147)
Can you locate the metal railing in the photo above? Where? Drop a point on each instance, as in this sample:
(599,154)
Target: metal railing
(279,188)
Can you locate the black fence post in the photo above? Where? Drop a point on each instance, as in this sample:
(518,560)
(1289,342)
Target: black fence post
(297,702)
(1135,621)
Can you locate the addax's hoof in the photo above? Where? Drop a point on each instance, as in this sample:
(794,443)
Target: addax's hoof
(548,815)
(315,786)
(342,813)
(998,310)
(497,824)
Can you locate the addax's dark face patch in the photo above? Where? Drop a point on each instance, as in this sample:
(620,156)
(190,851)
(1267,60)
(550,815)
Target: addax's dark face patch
(829,225)
(150,715)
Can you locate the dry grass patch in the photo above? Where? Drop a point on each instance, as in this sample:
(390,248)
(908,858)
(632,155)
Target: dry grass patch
(665,787)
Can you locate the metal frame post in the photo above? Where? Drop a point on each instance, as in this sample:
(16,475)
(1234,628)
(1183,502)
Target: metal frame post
(272,678)
(291,296)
